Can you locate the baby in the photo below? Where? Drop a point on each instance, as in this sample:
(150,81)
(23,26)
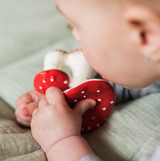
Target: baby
(121,41)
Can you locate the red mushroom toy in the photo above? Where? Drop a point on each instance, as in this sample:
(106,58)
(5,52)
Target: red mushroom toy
(49,78)
(97,89)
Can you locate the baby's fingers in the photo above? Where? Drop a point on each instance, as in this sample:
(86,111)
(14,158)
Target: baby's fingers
(82,106)
(55,96)
(28,109)
(23,120)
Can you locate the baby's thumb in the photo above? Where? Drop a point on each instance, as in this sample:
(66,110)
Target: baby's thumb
(82,106)
(28,110)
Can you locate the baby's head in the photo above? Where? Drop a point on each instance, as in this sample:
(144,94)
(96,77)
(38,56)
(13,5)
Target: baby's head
(117,36)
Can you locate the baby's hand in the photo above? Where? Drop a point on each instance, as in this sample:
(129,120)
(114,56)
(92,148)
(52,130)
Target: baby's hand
(25,106)
(54,120)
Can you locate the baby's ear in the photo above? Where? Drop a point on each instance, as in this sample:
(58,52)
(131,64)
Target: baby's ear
(144,28)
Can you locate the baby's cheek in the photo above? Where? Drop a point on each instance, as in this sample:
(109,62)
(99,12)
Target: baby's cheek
(89,56)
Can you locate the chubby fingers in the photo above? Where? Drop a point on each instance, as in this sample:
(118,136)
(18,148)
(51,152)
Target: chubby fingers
(28,102)
(55,96)
(82,106)
(24,100)
(28,109)
(25,121)
(41,104)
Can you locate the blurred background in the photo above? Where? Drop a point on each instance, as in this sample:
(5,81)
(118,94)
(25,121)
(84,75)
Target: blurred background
(29,29)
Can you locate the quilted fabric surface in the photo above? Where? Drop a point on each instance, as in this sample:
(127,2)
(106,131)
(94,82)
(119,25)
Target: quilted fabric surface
(28,30)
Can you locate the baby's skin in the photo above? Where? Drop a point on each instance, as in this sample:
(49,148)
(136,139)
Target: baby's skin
(55,126)
(25,105)
(121,40)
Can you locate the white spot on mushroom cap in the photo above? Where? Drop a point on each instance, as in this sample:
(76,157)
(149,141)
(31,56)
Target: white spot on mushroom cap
(98,125)
(83,92)
(44,81)
(104,108)
(112,102)
(89,128)
(84,96)
(99,100)
(52,80)
(40,87)
(93,118)
(98,91)
(65,82)
(75,100)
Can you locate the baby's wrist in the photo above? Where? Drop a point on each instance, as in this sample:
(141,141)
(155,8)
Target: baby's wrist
(68,149)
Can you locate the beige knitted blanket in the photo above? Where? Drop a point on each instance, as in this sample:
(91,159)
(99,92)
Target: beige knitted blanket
(132,130)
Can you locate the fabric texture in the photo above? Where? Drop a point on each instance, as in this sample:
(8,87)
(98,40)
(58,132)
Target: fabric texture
(16,143)
(124,95)
(90,157)
(154,157)
(28,30)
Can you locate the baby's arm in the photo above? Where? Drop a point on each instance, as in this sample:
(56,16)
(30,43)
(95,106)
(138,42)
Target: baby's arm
(124,95)
(69,149)
(56,127)
(25,106)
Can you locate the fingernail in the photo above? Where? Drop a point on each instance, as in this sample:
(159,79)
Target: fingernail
(25,112)
(93,103)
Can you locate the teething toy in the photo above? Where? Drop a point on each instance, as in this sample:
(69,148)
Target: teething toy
(80,69)
(97,89)
(50,78)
